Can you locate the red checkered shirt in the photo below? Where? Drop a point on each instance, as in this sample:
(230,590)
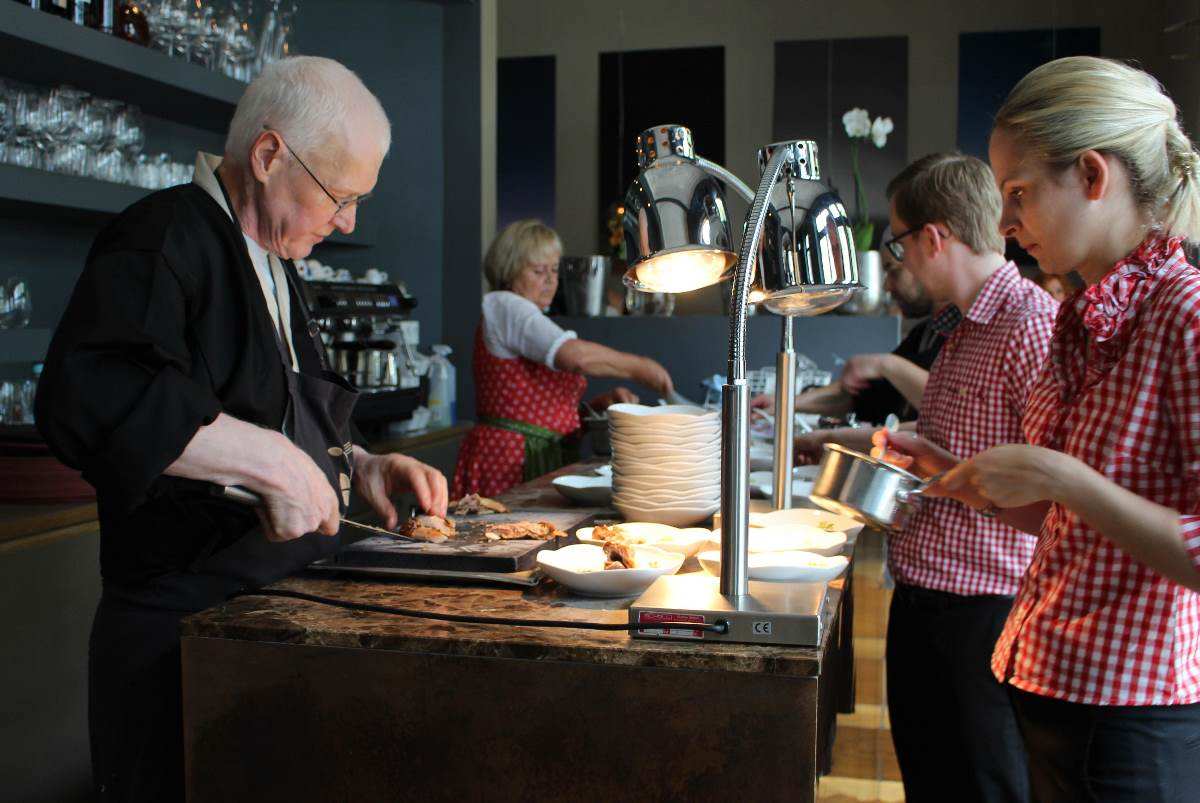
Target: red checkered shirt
(973,401)
(1120,392)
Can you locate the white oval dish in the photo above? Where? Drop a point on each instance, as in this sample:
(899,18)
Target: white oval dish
(663,413)
(763,482)
(583,489)
(686,541)
(822,520)
(791,538)
(648,484)
(580,567)
(673,469)
(676,516)
(794,566)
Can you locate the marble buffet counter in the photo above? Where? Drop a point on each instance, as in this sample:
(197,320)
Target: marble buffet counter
(288,699)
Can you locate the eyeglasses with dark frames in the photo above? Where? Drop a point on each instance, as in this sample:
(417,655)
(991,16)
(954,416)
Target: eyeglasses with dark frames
(895,247)
(341,205)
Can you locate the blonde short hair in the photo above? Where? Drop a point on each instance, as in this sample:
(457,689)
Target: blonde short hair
(953,189)
(513,249)
(1081,103)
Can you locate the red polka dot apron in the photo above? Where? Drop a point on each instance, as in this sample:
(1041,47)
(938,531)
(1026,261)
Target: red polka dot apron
(524,411)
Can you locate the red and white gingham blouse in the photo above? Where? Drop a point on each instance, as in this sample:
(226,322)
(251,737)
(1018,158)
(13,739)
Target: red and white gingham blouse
(974,400)
(1121,392)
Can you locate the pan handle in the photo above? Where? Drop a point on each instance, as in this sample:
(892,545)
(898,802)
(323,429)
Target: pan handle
(906,497)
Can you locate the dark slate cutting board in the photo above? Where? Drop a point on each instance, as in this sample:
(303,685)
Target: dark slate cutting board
(469,551)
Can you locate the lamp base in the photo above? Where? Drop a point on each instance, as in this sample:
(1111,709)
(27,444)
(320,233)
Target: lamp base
(771,613)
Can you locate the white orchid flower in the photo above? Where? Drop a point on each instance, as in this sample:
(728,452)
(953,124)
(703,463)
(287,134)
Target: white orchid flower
(880,130)
(857,123)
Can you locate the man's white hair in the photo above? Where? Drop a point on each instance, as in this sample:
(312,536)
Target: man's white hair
(310,101)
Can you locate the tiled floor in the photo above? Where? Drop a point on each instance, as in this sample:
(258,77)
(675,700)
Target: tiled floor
(864,763)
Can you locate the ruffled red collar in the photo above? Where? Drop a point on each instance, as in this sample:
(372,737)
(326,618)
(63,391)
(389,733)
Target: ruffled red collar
(1105,306)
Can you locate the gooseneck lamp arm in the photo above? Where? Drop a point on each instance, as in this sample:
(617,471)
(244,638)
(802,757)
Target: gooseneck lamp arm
(785,361)
(735,398)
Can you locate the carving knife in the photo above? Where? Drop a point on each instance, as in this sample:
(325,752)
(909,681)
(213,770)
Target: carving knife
(236,493)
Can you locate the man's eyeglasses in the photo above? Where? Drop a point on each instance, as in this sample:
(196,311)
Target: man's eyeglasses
(895,247)
(341,204)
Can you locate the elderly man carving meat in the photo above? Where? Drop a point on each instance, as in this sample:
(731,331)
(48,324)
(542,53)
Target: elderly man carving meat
(186,361)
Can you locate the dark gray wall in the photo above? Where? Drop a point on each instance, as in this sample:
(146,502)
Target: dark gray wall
(396,48)
(817,81)
(693,347)
(462,286)
(48,594)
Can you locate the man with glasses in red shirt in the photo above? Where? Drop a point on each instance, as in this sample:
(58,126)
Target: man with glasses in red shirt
(957,569)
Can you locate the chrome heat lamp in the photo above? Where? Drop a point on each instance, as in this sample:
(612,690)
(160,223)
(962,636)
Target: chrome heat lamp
(797,254)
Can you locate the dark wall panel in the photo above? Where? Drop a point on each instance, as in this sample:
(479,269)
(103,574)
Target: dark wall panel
(696,346)
(643,88)
(525,139)
(817,81)
(396,48)
(990,65)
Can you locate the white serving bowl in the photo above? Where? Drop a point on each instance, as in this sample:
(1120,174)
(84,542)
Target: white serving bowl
(631,487)
(667,469)
(604,470)
(585,490)
(580,567)
(676,516)
(789,538)
(662,424)
(823,520)
(679,442)
(667,451)
(794,567)
(763,482)
(666,437)
(685,541)
(663,413)
(762,456)
(709,483)
(665,501)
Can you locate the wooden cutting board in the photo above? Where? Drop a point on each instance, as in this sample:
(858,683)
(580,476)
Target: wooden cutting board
(469,551)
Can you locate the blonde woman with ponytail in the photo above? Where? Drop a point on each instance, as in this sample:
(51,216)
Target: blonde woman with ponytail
(1102,648)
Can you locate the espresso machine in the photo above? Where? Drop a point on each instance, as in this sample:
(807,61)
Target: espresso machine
(372,343)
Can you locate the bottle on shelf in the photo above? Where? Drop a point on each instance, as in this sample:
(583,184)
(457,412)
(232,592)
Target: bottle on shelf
(129,23)
(95,14)
(59,8)
(442,390)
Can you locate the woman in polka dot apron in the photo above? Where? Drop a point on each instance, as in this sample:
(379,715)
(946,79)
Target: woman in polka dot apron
(530,373)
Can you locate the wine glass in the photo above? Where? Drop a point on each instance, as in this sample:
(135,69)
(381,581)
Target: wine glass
(19,304)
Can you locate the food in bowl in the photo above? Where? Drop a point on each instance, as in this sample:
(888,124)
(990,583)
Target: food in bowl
(641,533)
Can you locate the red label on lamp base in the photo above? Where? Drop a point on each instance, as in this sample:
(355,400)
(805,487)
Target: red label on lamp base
(655,617)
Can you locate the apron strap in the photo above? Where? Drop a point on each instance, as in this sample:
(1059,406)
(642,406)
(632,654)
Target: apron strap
(544,450)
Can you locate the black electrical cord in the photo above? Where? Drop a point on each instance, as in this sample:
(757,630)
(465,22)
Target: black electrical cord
(720,626)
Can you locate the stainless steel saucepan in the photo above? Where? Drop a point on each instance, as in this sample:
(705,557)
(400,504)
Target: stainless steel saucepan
(866,489)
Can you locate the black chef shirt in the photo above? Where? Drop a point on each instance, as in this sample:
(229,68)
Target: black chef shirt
(166,328)
(880,397)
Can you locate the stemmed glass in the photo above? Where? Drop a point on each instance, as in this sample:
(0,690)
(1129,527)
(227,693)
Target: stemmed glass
(16,306)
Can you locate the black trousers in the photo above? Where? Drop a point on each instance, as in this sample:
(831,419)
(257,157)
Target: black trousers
(953,723)
(135,713)
(1143,754)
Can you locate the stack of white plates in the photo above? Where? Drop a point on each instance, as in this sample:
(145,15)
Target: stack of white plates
(666,462)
